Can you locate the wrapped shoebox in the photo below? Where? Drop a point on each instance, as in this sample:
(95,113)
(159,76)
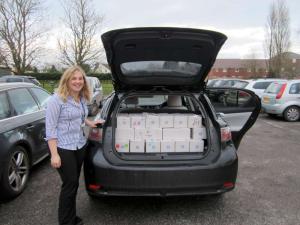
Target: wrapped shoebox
(180,121)
(153,134)
(176,134)
(166,120)
(194,121)
(122,145)
(124,134)
(152,146)
(152,120)
(182,146)
(138,121)
(123,121)
(137,146)
(167,146)
(196,146)
(199,133)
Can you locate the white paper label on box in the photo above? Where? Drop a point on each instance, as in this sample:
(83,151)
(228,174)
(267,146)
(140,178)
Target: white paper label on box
(152,146)
(196,146)
(167,146)
(124,134)
(123,121)
(122,146)
(182,146)
(137,146)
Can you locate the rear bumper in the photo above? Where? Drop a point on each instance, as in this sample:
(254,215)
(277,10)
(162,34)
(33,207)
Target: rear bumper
(273,109)
(159,180)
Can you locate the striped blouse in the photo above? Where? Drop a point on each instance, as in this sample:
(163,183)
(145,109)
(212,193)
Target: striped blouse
(64,120)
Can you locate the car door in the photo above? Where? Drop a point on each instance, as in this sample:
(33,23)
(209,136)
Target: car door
(29,118)
(238,107)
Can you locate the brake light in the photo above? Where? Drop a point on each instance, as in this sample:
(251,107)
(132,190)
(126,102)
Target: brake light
(280,93)
(228,185)
(225,134)
(94,187)
(95,134)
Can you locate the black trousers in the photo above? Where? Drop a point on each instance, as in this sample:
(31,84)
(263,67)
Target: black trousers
(71,163)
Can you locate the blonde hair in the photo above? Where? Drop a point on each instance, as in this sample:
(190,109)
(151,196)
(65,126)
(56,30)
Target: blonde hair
(63,89)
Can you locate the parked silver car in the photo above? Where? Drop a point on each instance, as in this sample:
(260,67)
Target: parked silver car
(96,94)
(282,98)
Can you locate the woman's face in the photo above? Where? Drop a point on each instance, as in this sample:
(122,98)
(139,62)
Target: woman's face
(76,82)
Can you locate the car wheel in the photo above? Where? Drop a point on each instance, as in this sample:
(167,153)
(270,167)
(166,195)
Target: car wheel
(94,109)
(292,114)
(15,173)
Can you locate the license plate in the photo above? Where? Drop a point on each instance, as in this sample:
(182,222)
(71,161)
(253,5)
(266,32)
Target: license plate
(266,99)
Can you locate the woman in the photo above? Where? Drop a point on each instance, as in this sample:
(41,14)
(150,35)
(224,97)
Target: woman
(66,116)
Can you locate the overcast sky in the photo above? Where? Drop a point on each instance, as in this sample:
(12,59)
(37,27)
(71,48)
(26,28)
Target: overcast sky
(243,21)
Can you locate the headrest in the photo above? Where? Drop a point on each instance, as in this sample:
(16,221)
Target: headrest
(174,101)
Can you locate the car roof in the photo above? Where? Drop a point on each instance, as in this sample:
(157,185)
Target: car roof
(5,86)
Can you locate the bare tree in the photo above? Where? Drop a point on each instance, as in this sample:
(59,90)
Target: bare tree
(19,33)
(277,36)
(81,45)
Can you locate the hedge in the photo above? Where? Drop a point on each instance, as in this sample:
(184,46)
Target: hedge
(56,76)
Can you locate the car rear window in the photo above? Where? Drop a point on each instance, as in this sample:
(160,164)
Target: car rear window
(274,88)
(262,85)
(160,68)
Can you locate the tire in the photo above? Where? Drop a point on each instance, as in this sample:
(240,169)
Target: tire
(292,114)
(15,173)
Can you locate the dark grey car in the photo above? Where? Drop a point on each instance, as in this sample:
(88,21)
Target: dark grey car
(162,134)
(22,128)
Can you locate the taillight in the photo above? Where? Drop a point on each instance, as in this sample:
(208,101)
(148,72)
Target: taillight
(225,134)
(280,93)
(96,134)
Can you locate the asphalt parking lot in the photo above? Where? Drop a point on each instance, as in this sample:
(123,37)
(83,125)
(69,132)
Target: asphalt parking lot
(267,191)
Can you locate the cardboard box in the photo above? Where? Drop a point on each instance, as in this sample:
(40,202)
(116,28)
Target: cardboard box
(139,134)
(182,146)
(196,146)
(153,134)
(124,134)
(176,134)
(137,146)
(194,121)
(122,145)
(123,121)
(199,133)
(152,146)
(166,120)
(138,121)
(152,121)
(180,121)
(167,146)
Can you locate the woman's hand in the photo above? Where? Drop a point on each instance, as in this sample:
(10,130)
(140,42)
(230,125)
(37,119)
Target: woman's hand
(55,161)
(93,124)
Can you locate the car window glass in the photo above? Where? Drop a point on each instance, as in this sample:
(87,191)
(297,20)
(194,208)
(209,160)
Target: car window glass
(22,101)
(273,88)
(295,88)
(261,85)
(41,95)
(4,107)
(14,80)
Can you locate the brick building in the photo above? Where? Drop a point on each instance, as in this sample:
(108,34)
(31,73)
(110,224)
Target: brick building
(253,68)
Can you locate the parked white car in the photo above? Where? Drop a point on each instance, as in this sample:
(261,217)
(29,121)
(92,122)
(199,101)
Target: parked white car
(96,94)
(258,86)
(282,98)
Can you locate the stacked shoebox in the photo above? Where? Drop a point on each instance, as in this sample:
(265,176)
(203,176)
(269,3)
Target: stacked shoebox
(154,133)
